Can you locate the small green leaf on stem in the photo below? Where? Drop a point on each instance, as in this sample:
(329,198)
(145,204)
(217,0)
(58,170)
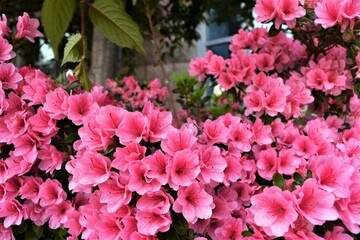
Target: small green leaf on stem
(74,50)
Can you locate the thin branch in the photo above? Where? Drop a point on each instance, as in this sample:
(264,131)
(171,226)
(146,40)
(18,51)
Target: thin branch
(161,63)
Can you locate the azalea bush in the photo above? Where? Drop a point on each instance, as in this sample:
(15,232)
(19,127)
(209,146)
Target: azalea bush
(276,155)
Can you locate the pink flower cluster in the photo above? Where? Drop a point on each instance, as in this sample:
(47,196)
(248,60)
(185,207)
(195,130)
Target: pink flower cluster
(262,71)
(282,11)
(332,12)
(26,28)
(328,13)
(133,96)
(80,161)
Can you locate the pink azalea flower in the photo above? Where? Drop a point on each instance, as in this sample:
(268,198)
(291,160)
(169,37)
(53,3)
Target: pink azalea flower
(51,159)
(125,157)
(328,13)
(25,146)
(4,173)
(56,103)
(43,123)
(79,107)
(159,201)
(159,123)
(92,168)
(18,165)
(232,229)
(266,10)
(130,227)
(261,133)
(34,212)
(254,102)
(4,29)
(4,104)
(36,85)
(226,80)
(13,126)
(198,67)
(110,118)
(12,211)
(212,164)
(332,174)
(184,138)
(6,233)
(132,128)
(302,229)
(6,50)
(350,11)
(267,163)
(215,131)
(73,224)
(9,76)
(184,168)
(348,209)
(131,84)
(216,65)
(240,137)
(225,202)
(109,228)
(94,137)
(12,187)
(100,96)
(315,204)
(275,101)
(288,162)
(140,182)
(30,190)
(58,214)
(51,192)
(337,234)
(265,62)
(274,210)
(193,203)
(149,222)
(232,172)
(288,11)
(27,28)
(114,192)
(159,166)
(304,147)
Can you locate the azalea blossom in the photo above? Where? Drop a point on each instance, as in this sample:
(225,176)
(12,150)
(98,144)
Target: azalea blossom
(27,28)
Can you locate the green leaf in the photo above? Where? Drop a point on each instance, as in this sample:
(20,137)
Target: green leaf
(298,177)
(38,230)
(246,234)
(81,73)
(278,180)
(23,227)
(74,49)
(30,235)
(110,18)
(55,17)
(308,174)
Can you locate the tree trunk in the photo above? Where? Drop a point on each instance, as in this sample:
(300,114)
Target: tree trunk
(104,59)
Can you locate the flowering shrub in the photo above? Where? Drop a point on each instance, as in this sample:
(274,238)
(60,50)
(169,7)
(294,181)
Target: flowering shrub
(111,165)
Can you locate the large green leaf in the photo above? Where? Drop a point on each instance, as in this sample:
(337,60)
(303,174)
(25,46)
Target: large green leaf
(74,49)
(55,17)
(110,18)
